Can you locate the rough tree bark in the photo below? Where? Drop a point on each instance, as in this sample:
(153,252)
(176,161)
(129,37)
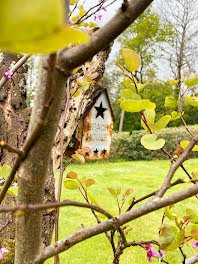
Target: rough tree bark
(14,120)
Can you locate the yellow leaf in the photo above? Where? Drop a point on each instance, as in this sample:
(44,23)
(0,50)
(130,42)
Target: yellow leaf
(60,38)
(79,158)
(131,59)
(184,144)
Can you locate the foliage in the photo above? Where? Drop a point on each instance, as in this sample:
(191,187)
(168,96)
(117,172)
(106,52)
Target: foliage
(145,42)
(44,33)
(128,147)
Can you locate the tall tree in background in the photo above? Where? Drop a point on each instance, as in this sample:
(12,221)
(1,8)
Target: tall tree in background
(183,16)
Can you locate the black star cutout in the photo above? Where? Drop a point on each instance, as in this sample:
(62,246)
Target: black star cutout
(104,151)
(100,110)
(96,151)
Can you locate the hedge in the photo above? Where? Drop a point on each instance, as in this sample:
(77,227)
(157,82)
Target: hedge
(128,147)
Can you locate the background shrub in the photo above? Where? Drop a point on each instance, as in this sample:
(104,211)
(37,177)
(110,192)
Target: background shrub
(127,146)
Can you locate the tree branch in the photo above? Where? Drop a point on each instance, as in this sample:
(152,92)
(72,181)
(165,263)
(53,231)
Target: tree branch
(86,233)
(69,59)
(39,207)
(174,167)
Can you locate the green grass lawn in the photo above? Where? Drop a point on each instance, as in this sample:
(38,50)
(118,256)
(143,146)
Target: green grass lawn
(142,176)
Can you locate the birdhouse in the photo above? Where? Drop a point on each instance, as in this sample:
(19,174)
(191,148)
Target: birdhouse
(95,128)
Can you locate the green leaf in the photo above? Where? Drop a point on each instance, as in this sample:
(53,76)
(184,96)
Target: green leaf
(192,214)
(128,94)
(175,115)
(71,185)
(150,142)
(162,122)
(37,28)
(5,171)
(192,100)
(184,144)
(114,191)
(169,213)
(89,182)
(93,200)
(72,175)
(128,83)
(170,102)
(191,81)
(170,238)
(150,118)
(173,82)
(131,59)
(60,38)
(130,105)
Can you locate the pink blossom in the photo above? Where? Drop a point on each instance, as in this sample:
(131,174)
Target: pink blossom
(100,1)
(105,8)
(95,17)
(162,253)
(70,22)
(100,17)
(9,74)
(151,252)
(3,250)
(195,244)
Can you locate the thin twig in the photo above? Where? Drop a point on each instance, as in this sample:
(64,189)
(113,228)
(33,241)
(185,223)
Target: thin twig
(4,145)
(40,207)
(4,79)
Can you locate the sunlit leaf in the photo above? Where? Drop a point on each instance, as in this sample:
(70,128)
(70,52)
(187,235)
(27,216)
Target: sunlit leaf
(193,215)
(93,200)
(130,105)
(162,122)
(72,175)
(60,38)
(150,118)
(114,191)
(5,171)
(128,192)
(170,102)
(192,100)
(35,28)
(131,59)
(79,158)
(71,185)
(191,81)
(89,182)
(184,144)
(173,82)
(170,214)
(194,232)
(170,238)
(175,115)
(151,142)
(128,94)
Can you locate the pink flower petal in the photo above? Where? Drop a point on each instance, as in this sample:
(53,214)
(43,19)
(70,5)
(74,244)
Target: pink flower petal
(104,8)
(195,244)
(4,250)
(154,252)
(162,253)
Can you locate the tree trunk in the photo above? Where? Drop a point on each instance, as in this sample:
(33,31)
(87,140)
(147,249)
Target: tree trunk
(14,120)
(121,121)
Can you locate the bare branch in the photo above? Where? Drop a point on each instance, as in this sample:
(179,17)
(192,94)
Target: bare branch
(174,167)
(86,233)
